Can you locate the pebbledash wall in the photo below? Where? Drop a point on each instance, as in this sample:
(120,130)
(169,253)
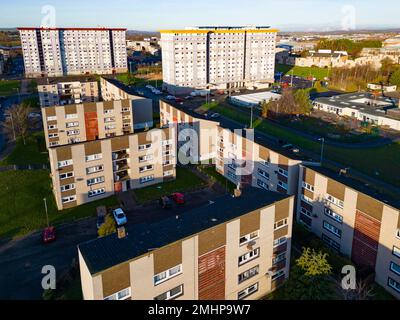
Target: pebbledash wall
(361,227)
(92,170)
(206,264)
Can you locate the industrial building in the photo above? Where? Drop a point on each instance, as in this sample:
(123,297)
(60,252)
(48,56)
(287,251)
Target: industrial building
(254,99)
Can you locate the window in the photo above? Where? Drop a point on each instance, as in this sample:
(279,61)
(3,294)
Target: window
(248,291)
(68,199)
(280,224)
(168,173)
(67,187)
(396,251)
(52,126)
(331,243)
(146,158)
(398,233)
(72,132)
(232,175)
(332,229)
(249,256)
(248,237)
(94,169)
(334,200)
(144,147)
(263,173)
(331,214)
(262,184)
(394,284)
(280,257)
(146,179)
(283,185)
(66,175)
(283,172)
(96,180)
(305,212)
(265,163)
(64,163)
(248,274)
(280,241)
(278,274)
(120,295)
(72,124)
(93,157)
(146,168)
(306,199)
(168,274)
(71,116)
(96,192)
(308,186)
(395,268)
(171,294)
(53,135)
(52,118)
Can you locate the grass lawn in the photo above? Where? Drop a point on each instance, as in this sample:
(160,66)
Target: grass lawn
(316,72)
(22,206)
(131,80)
(8,87)
(213,174)
(34,152)
(364,160)
(186,181)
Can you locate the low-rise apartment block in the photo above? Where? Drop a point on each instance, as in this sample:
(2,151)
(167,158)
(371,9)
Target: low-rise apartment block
(68,90)
(95,120)
(88,171)
(353,220)
(56,52)
(236,248)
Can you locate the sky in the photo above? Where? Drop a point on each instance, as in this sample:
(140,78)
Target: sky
(151,15)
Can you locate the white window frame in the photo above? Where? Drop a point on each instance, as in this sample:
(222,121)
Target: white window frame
(249,256)
(277,226)
(167,274)
(53,135)
(72,124)
(64,163)
(308,186)
(66,175)
(280,241)
(248,291)
(394,270)
(88,169)
(68,199)
(52,126)
(115,296)
(143,147)
(337,202)
(96,180)
(248,274)
(70,186)
(332,229)
(283,185)
(94,157)
(73,132)
(96,192)
(249,237)
(146,179)
(280,257)
(305,212)
(394,284)
(276,275)
(307,199)
(52,118)
(283,172)
(396,251)
(398,234)
(168,173)
(147,157)
(149,167)
(333,215)
(263,173)
(71,116)
(262,184)
(168,294)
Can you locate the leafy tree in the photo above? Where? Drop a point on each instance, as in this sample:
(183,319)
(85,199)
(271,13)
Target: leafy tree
(310,277)
(17,121)
(265,107)
(302,99)
(388,66)
(108,227)
(395,78)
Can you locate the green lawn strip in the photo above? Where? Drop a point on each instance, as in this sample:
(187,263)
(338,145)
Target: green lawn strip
(363,160)
(319,73)
(131,80)
(186,181)
(33,152)
(8,87)
(22,205)
(213,174)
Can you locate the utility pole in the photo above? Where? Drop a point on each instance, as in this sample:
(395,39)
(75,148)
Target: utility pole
(47,215)
(322,149)
(251,118)
(12,125)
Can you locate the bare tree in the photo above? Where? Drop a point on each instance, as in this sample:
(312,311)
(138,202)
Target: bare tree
(17,122)
(363,291)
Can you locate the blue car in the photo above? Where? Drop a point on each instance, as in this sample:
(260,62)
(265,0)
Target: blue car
(120,217)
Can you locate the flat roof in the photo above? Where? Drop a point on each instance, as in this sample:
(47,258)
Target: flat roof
(55,80)
(72,29)
(221,30)
(366,188)
(103,253)
(127,89)
(256,98)
(355,101)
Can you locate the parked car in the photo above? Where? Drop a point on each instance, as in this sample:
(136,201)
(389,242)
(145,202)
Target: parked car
(178,198)
(215,115)
(180,100)
(188,97)
(101,216)
(149,86)
(120,217)
(165,202)
(49,235)
(170,97)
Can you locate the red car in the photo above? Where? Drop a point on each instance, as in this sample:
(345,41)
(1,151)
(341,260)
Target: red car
(49,235)
(179,100)
(178,198)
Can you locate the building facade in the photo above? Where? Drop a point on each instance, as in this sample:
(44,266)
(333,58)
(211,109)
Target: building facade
(56,91)
(217,57)
(95,120)
(353,223)
(209,253)
(73,51)
(88,171)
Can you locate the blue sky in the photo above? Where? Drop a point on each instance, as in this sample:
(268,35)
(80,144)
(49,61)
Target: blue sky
(158,14)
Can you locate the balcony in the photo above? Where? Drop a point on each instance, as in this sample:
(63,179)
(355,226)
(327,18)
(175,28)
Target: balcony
(120,155)
(121,176)
(121,166)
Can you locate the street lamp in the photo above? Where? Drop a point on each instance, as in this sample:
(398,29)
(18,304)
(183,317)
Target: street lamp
(322,149)
(251,117)
(47,215)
